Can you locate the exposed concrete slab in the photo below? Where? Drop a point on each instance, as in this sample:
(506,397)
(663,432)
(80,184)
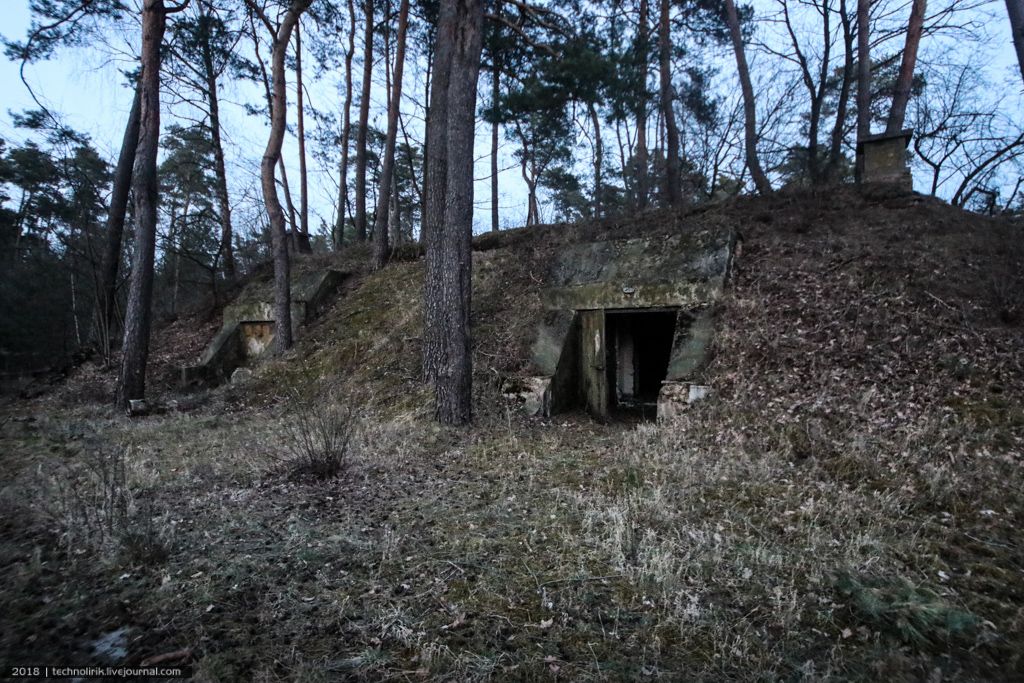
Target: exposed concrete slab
(683,270)
(882,159)
(310,291)
(551,336)
(249,323)
(687,271)
(675,397)
(694,332)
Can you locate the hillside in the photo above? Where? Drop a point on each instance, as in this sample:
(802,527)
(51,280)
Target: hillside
(845,505)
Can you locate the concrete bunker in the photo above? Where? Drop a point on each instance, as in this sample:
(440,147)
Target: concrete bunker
(629,362)
(249,324)
(882,159)
(628,325)
(638,345)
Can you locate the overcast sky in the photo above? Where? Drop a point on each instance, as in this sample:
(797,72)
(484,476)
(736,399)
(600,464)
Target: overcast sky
(85,86)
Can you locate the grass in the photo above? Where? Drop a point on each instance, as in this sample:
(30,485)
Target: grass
(846,506)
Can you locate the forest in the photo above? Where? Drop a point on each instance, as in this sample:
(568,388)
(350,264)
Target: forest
(604,110)
(486,340)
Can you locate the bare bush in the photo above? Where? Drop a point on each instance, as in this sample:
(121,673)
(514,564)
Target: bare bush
(316,440)
(92,507)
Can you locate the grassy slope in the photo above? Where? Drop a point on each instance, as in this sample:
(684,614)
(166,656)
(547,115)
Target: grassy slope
(846,506)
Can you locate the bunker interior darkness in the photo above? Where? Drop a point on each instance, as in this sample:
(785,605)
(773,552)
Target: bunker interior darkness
(637,350)
(628,324)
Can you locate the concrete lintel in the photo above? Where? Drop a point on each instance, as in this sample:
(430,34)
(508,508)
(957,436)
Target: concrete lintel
(904,135)
(610,295)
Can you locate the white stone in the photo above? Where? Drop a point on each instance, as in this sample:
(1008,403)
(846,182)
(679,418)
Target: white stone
(698,392)
(241,376)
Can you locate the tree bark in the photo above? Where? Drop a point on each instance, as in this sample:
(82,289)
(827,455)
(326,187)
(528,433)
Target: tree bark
(863,79)
(447,353)
(839,128)
(226,249)
(595,121)
(435,179)
(673,183)
(495,94)
(275,212)
(395,209)
(863,69)
(1015,10)
(905,80)
(339,228)
(641,111)
(270,108)
(749,103)
(364,122)
(107,294)
(301,130)
(132,381)
(380,229)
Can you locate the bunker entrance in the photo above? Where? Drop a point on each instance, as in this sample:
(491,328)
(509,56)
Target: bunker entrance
(624,360)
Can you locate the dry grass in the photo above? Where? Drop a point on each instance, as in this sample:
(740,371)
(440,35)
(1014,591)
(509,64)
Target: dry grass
(846,507)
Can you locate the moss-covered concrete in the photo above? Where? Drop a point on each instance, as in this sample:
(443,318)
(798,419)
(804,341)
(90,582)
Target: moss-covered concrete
(310,290)
(686,270)
(248,328)
(694,331)
(883,159)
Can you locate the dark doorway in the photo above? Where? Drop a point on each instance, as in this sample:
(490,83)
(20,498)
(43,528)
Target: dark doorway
(638,347)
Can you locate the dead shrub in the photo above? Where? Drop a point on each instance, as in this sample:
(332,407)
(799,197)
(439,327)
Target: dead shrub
(91,506)
(317,438)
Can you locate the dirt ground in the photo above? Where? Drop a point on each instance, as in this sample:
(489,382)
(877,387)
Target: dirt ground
(846,506)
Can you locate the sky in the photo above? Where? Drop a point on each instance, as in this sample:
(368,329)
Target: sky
(86,87)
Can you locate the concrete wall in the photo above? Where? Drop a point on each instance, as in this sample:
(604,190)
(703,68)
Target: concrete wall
(249,323)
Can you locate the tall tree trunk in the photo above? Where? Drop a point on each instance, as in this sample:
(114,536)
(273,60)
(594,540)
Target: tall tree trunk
(424,196)
(495,94)
(435,181)
(839,128)
(641,111)
(816,91)
(364,122)
(275,213)
(447,353)
(380,228)
(226,249)
(1015,9)
(623,164)
(339,228)
(176,255)
(863,69)
(301,130)
(395,209)
(673,183)
(293,222)
(595,121)
(132,381)
(749,103)
(906,76)
(107,294)
(270,108)
(818,97)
